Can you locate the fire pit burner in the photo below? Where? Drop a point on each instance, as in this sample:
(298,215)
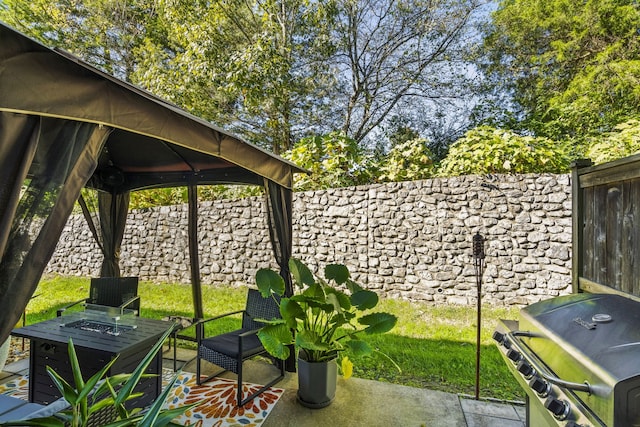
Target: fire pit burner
(100,327)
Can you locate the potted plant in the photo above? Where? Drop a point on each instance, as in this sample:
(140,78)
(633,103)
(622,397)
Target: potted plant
(321,321)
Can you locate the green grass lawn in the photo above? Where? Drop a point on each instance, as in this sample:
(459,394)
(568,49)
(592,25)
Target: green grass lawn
(434,345)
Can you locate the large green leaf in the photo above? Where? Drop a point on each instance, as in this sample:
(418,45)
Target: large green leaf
(290,311)
(314,291)
(343,299)
(276,339)
(353,286)
(334,302)
(268,282)
(129,385)
(378,323)
(311,341)
(364,299)
(359,347)
(337,272)
(301,273)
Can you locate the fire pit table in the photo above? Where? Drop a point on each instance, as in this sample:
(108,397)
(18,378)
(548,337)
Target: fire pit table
(99,334)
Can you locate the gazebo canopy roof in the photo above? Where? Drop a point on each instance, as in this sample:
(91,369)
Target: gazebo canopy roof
(153,144)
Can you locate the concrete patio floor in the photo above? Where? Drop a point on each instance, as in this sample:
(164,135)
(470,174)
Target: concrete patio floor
(360,402)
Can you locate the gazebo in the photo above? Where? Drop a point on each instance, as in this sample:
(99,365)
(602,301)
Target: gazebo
(65,125)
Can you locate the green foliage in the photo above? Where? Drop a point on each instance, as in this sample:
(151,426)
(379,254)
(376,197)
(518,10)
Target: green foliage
(158,197)
(334,160)
(323,316)
(623,141)
(179,195)
(408,160)
(106,33)
(571,65)
(486,150)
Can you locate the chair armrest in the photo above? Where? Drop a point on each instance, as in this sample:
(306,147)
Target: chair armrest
(220,316)
(200,323)
(248,333)
(61,310)
(128,303)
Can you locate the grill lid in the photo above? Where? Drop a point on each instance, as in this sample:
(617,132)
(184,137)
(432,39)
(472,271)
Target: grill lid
(591,339)
(602,331)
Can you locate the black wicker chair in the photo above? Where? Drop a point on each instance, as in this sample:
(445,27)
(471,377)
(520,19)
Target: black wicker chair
(120,292)
(231,349)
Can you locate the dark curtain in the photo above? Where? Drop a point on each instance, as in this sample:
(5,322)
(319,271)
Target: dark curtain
(44,163)
(113,218)
(279,210)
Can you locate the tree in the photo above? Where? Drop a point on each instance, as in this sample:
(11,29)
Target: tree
(572,66)
(258,68)
(623,141)
(395,56)
(108,34)
(487,150)
(273,71)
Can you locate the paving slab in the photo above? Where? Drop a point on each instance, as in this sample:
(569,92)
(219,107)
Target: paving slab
(479,413)
(361,402)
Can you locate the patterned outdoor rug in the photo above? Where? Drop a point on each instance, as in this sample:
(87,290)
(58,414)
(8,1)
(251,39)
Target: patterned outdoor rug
(219,408)
(219,394)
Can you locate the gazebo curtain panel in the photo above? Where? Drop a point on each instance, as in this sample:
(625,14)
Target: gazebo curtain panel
(110,218)
(44,163)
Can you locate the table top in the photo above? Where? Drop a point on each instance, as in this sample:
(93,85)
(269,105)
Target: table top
(56,330)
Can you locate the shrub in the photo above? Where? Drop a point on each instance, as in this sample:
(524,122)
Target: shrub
(408,160)
(486,150)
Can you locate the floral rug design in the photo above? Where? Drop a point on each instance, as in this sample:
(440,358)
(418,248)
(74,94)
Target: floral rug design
(219,406)
(218,395)
(18,388)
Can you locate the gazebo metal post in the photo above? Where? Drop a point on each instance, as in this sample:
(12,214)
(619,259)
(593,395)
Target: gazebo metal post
(194,260)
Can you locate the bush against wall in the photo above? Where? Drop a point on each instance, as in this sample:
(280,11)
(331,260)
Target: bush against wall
(486,150)
(409,240)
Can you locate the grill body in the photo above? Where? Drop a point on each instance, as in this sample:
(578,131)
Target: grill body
(578,359)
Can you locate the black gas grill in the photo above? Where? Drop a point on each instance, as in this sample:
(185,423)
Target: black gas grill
(578,359)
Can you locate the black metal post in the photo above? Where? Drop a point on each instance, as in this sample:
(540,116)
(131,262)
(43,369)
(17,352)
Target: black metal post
(478,261)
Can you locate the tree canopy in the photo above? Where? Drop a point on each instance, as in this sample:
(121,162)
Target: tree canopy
(573,67)
(272,71)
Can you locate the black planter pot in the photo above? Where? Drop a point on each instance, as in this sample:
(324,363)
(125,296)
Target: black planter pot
(317,383)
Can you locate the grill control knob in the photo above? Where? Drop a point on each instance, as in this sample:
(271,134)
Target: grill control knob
(501,339)
(540,386)
(514,355)
(526,369)
(558,408)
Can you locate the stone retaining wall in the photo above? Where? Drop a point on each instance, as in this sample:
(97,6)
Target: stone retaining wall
(409,240)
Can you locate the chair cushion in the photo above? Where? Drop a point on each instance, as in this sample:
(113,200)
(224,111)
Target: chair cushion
(227,344)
